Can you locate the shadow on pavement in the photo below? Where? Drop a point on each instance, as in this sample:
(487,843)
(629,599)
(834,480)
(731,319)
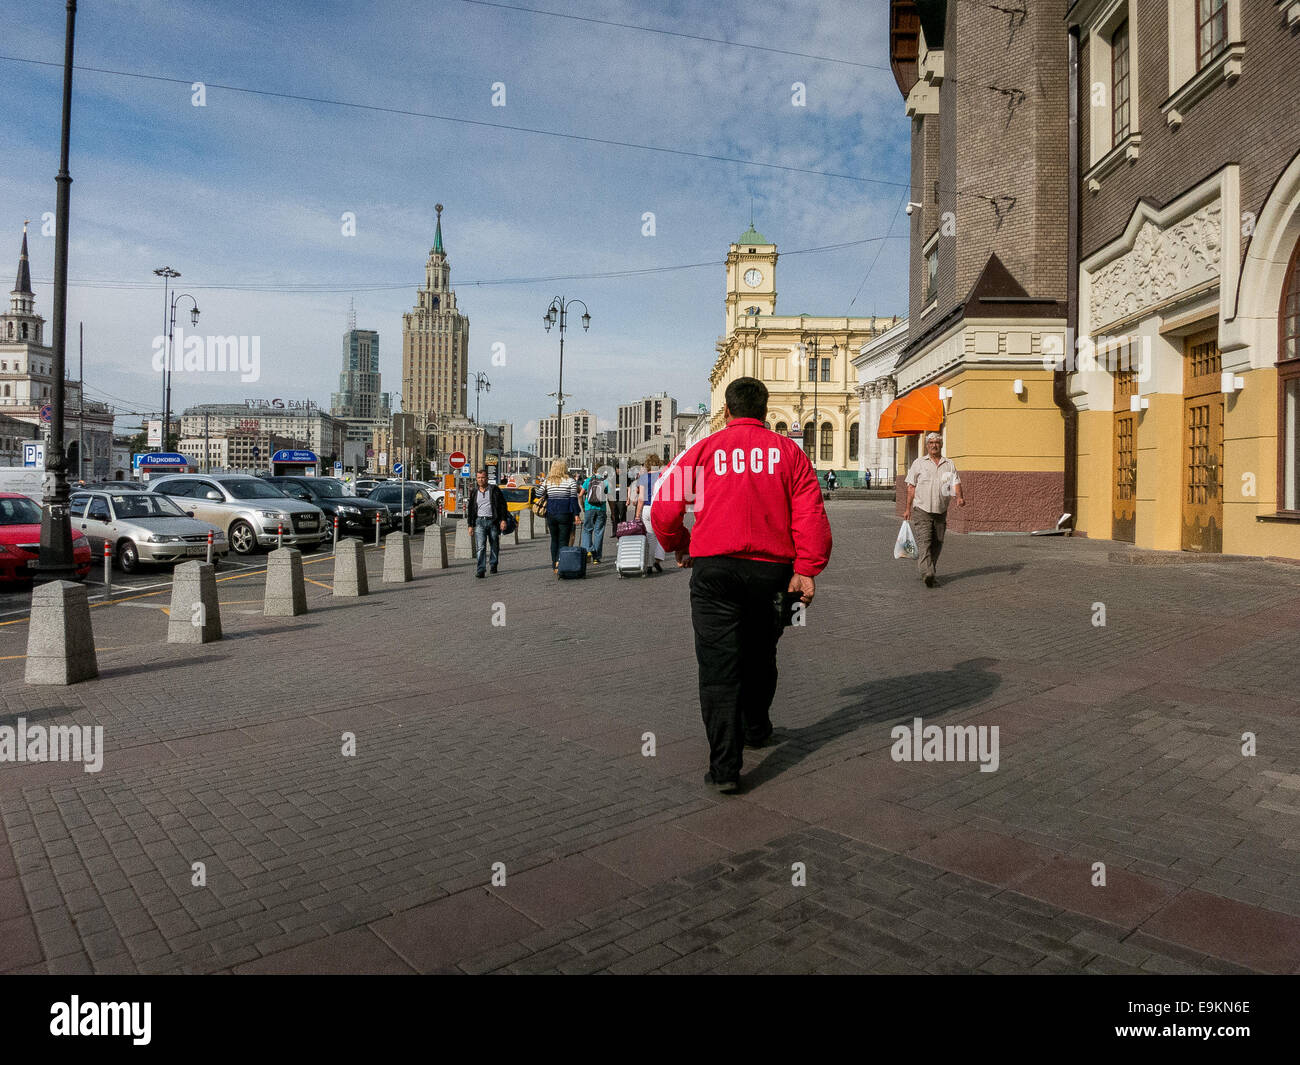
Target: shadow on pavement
(153,667)
(927,695)
(982,571)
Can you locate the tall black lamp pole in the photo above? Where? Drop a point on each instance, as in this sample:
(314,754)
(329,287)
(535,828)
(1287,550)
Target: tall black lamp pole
(55,561)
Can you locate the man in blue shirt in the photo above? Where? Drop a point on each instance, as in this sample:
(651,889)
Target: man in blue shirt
(595,493)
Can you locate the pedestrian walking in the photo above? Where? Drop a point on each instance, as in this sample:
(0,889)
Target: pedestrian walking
(486,513)
(618,499)
(931,481)
(867,478)
(639,505)
(832,482)
(760,538)
(595,493)
(563,508)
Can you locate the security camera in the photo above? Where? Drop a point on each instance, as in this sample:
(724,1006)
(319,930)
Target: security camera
(912,206)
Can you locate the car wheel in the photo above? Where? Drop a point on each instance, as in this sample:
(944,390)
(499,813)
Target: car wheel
(128,557)
(242,538)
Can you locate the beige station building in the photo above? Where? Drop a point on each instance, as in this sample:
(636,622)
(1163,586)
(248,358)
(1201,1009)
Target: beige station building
(805,360)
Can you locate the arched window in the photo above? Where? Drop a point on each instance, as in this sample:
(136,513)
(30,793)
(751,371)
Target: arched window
(853,442)
(810,440)
(781,428)
(1288,383)
(11,330)
(828,442)
(24,330)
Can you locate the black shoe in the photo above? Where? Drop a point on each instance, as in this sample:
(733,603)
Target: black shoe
(765,741)
(722,787)
(658,568)
(930,582)
(479,573)
(494,569)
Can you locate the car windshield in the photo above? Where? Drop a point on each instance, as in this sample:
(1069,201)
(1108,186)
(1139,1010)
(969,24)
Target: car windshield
(19,512)
(326,487)
(251,488)
(515,495)
(393,494)
(145,505)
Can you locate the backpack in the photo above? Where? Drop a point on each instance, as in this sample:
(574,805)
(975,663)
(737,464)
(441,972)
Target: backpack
(596,492)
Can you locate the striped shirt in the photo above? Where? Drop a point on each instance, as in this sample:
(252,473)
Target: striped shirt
(557,495)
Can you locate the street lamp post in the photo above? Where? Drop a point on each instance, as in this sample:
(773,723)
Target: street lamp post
(167,366)
(481,384)
(55,560)
(559,311)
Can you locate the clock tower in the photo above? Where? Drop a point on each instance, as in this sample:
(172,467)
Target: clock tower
(751,278)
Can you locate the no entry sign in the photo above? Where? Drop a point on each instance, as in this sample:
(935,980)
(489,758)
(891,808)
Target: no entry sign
(456,459)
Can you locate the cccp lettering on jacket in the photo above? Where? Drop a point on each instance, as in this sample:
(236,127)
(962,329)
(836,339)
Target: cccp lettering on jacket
(755,461)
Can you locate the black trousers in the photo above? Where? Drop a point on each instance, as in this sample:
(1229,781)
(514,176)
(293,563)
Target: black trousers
(561,529)
(736,631)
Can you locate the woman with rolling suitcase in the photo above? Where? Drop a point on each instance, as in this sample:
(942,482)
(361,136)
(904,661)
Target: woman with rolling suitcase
(560,493)
(639,507)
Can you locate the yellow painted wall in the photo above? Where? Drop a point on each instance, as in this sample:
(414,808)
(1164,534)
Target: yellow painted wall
(1160,474)
(989,427)
(1096,462)
(1250,447)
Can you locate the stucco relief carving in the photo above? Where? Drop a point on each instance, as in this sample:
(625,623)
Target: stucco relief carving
(1161,264)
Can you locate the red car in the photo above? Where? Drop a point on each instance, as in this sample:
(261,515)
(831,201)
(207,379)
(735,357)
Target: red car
(20,539)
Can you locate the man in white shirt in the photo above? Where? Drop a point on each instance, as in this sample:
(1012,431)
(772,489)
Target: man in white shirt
(931,481)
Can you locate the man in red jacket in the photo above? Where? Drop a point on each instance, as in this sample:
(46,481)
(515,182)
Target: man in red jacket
(760,538)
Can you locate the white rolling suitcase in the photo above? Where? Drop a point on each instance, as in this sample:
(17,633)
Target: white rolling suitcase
(633,556)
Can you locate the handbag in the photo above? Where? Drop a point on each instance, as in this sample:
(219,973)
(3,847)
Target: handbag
(630,528)
(539,504)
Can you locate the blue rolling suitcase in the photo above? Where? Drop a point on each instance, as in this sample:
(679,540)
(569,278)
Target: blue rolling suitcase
(573,562)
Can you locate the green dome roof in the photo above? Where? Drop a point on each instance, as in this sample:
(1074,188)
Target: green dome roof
(752,236)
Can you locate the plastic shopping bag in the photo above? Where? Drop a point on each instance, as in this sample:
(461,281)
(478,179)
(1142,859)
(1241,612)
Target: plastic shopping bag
(905,545)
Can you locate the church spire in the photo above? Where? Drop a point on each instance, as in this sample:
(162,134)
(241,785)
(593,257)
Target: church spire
(24,282)
(437,235)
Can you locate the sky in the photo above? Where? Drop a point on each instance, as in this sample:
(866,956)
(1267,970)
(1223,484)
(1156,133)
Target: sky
(246,195)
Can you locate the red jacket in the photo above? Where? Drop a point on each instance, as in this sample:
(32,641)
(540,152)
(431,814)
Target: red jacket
(755,495)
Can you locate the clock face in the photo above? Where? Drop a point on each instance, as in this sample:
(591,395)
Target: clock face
(752,278)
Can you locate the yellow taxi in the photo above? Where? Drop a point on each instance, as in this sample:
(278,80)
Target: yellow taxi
(519,497)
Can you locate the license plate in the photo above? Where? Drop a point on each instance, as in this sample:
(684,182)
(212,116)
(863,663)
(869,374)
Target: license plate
(32,563)
(202,549)
(307,523)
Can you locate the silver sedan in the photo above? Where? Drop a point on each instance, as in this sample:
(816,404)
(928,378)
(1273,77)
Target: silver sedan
(143,527)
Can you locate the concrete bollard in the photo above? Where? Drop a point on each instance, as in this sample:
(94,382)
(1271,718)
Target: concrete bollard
(350,569)
(397,558)
(286,594)
(195,614)
(60,643)
(434,554)
(464,540)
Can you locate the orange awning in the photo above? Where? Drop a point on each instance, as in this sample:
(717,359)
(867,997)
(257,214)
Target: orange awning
(919,411)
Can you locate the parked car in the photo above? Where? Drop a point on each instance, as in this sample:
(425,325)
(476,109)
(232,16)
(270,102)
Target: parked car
(435,491)
(404,501)
(356,515)
(247,508)
(142,527)
(20,539)
(367,485)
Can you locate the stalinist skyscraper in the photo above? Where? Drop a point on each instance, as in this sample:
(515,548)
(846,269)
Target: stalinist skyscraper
(435,344)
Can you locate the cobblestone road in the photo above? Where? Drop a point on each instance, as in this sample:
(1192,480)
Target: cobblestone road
(522,744)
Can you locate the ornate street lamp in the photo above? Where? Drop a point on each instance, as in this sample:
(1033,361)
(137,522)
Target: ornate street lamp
(558,311)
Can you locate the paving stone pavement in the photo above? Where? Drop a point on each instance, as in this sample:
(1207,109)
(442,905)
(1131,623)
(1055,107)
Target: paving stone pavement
(500,728)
